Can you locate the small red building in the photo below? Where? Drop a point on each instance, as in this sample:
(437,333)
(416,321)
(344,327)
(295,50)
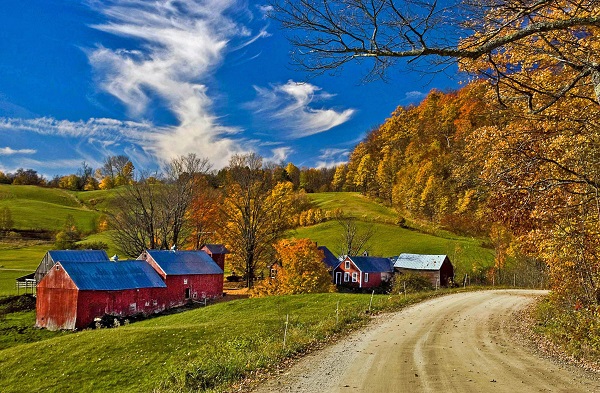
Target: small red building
(189,275)
(436,268)
(72,294)
(363,272)
(217,252)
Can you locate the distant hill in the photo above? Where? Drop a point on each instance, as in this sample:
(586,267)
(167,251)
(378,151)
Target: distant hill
(42,208)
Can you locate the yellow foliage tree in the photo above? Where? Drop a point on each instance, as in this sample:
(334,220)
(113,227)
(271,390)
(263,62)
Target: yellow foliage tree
(301,270)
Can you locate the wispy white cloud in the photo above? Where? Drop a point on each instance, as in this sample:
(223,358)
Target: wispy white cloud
(8,151)
(332,157)
(182,44)
(290,107)
(280,154)
(413,97)
(106,130)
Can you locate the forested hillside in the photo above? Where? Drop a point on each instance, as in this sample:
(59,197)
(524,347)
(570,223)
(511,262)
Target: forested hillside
(527,180)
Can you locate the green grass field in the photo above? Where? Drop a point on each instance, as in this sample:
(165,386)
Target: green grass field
(206,349)
(98,199)
(354,204)
(45,208)
(389,239)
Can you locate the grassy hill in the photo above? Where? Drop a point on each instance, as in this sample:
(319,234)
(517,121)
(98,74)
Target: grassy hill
(390,239)
(45,208)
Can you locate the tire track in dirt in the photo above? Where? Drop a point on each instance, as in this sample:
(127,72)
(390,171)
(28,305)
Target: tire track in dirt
(463,342)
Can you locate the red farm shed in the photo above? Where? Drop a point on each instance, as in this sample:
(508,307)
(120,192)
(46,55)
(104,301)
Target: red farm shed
(72,294)
(436,268)
(217,252)
(189,275)
(363,272)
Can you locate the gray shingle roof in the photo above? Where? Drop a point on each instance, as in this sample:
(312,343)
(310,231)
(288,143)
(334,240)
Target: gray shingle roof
(78,255)
(113,276)
(178,263)
(419,261)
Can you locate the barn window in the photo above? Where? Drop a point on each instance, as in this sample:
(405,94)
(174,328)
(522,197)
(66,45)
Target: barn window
(366,277)
(187,293)
(147,304)
(132,307)
(195,295)
(185,281)
(155,302)
(354,277)
(347,265)
(346,277)
(273,273)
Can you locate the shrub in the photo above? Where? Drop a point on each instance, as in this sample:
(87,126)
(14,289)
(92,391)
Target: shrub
(413,282)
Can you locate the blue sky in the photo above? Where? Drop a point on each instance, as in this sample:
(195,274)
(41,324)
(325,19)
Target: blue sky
(81,80)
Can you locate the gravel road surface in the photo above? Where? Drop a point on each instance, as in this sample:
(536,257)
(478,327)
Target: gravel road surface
(464,342)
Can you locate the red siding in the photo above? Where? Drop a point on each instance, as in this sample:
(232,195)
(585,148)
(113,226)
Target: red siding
(200,286)
(95,304)
(374,277)
(56,301)
(218,258)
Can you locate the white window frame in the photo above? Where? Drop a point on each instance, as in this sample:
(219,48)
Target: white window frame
(354,277)
(366,277)
(347,265)
(346,277)
(185,281)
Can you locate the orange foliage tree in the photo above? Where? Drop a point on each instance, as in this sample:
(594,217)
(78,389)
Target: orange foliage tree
(301,270)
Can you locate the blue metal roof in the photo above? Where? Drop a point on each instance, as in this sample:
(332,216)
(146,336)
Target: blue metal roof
(373,264)
(216,248)
(78,255)
(177,263)
(113,276)
(330,259)
(419,261)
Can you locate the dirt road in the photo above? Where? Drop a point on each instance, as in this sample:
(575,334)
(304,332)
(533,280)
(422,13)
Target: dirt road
(458,343)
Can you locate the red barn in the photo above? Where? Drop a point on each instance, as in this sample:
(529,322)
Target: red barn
(217,252)
(72,294)
(188,275)
(436,268)
(363,272)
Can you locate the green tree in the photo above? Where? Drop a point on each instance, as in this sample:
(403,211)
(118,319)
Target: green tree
(68,236)
(6,220)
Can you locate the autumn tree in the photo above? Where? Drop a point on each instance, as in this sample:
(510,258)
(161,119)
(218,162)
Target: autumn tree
(339,178)
(256,212)
(354,237)
(116,171)
(498,39)
(301,270)
(204,214)
(152,212)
